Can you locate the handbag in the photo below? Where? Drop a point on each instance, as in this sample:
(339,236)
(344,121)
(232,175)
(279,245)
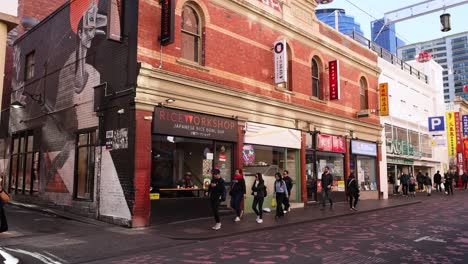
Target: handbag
(273,203)
(4,197)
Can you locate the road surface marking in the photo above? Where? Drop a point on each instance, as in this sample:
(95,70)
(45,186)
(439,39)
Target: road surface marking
(428,238)
(44,259)
(9,259)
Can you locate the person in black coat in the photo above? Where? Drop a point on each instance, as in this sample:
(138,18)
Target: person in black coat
(420,179)
(353,192)
(428,184)
(259,193)
(449,183)
(438,181)
(465,180)
(327,183)
(216,192)
(289,185)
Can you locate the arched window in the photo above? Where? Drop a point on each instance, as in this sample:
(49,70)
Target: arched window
(363,93)
(191,34)
(315,78)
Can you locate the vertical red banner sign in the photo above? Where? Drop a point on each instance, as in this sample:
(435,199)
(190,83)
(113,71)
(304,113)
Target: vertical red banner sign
(458,132)
(334,79)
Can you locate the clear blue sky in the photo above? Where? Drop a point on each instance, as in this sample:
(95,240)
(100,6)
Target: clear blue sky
(414,30)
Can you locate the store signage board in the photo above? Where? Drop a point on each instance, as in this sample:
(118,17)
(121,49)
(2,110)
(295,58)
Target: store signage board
(363,148)
(267,135)
(331,143)
(451,133)
(458,132)
(281,61)
(383,92)
(465,125)
(196,125)
(167,22)
(334,79)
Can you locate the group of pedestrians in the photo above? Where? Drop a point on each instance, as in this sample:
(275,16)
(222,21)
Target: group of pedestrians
(217,193)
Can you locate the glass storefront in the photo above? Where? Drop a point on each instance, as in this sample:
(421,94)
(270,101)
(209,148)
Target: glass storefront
(335,161)
(269,160)
(173,157)
(364,164)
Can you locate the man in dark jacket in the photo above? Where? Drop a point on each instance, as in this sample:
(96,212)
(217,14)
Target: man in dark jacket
(327,183)
(420,179)
(428,184)
(216,192)
(449,183)
(464,180)
(289,185)
(404,179)
(438,181)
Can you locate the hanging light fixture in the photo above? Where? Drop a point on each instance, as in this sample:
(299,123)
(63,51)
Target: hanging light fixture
(445,22)
(324,2)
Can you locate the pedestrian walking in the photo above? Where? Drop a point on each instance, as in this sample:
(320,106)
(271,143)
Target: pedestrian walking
(4,198)
(412,186)
(289,185)
(259,193)
(438,181)
(404,180)
(449,183)
(353,192)
(428,183)
(327,183)
(464,180)
(456,178)
(280,192)
(420,180)
(217,194)
(237,193)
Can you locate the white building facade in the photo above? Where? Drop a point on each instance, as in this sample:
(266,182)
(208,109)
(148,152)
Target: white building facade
(407,145)
(451,52)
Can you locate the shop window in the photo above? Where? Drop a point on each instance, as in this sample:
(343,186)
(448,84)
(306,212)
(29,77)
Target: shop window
(335,162)
(24,164)
(366,173)
(316,89)
(191,34)
(363,93)
(174,157)
(84,165)
(30,65)
(269,160)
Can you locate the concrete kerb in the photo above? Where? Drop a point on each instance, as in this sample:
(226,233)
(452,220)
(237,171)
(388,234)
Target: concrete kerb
(215,234)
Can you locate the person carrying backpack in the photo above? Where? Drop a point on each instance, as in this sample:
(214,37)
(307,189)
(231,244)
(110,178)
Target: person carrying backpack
(353,192)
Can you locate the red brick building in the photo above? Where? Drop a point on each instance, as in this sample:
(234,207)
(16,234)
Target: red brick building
(212,96)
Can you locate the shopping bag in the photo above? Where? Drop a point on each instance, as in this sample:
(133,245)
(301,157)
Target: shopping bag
(273,203)
(4,197)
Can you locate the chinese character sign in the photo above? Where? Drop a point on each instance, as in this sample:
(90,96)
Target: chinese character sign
(451,134)
(458,132)
(465,125)
(383,92)
(334,79)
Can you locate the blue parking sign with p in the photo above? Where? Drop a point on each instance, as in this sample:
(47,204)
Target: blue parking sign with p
(436,123)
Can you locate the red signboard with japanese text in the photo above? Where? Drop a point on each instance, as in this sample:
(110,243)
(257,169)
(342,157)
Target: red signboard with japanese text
(459,132)
(331,143)
(334,79)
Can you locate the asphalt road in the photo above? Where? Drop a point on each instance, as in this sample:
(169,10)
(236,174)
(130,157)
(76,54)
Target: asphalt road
(433,231)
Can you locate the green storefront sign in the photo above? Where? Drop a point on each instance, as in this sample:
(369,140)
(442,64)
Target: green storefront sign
(400,147)
(400,161)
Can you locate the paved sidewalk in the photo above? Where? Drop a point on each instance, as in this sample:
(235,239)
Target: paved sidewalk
(200,229)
